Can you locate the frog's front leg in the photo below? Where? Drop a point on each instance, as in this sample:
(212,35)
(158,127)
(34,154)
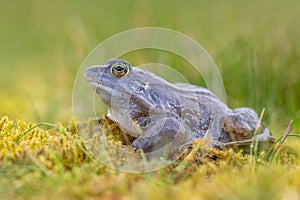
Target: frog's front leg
(165,135)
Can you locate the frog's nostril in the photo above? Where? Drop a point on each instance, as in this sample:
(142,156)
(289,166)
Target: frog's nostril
(95,69)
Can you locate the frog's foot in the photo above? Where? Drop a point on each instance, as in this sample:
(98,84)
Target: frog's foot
(165,137)
(240,124)
(264,141)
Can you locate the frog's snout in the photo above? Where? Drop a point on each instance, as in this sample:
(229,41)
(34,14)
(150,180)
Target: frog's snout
(90,74)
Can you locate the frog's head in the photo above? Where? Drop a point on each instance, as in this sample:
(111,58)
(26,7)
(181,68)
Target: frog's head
(127,91)
(104,79)
(117,78)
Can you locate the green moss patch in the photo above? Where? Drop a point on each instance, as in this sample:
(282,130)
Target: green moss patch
(46,161)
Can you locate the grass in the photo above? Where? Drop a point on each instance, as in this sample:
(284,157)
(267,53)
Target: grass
(255,44)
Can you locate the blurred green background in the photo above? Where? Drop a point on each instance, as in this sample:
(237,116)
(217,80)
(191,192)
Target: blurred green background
(255,44)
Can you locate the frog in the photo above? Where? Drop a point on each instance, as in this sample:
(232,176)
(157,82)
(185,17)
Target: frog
(160,114)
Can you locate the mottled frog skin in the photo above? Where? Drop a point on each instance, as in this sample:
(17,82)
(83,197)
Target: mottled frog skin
(159,113)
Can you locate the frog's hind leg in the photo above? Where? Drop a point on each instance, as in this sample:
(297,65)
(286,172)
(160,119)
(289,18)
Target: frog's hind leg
(241,123)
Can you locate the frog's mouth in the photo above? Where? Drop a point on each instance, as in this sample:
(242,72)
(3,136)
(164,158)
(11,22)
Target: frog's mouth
(100,87)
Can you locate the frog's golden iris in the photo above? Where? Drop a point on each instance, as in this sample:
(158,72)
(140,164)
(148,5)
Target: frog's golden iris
(119,69)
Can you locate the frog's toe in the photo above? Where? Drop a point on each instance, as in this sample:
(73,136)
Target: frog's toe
(217,144)
(265,136)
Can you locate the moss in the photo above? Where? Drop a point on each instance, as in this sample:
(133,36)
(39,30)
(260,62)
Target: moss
(46,148)
(47,164)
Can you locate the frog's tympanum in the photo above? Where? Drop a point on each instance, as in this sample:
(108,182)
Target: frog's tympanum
(158,113)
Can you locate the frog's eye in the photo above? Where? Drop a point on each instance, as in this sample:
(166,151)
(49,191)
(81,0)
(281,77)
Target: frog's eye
(119,69)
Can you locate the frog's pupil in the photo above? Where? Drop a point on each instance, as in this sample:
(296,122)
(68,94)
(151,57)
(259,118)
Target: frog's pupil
(119,68)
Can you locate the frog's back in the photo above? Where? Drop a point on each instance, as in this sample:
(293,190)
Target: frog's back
(201,110)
